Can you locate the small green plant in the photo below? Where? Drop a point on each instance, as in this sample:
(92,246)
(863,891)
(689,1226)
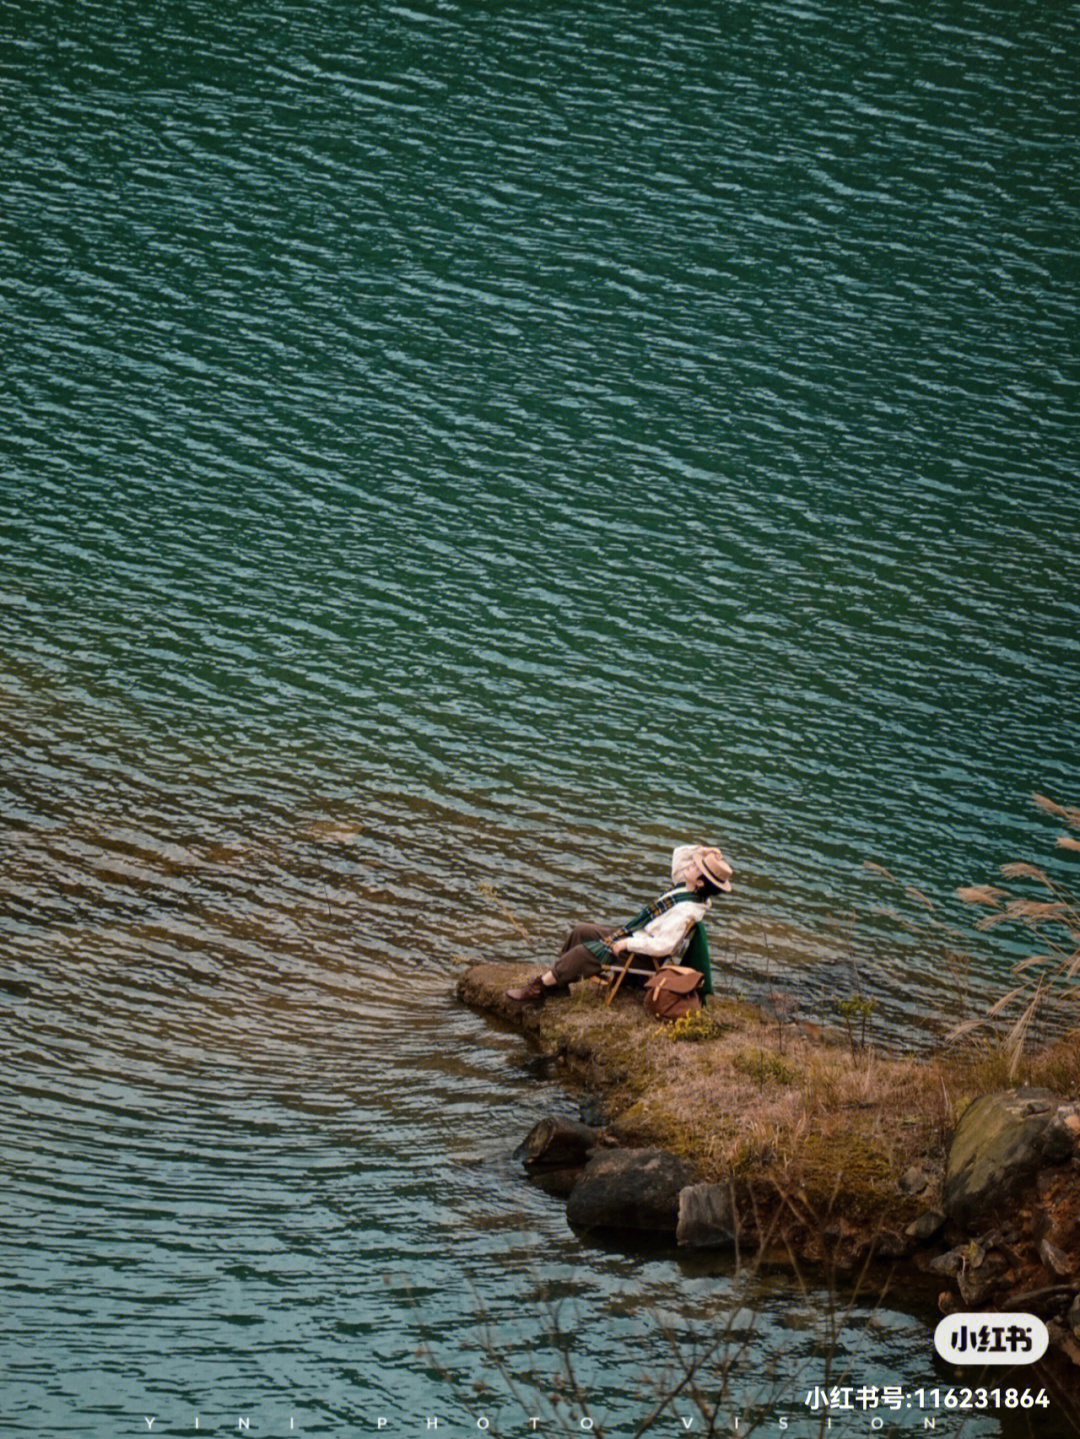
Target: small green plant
(697,1027)
(855,1012)
(763,1066)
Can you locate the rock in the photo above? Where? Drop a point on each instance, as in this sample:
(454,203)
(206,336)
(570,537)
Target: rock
(948,1264)
(972,1291)
(559,1183)
(707,1218)
(974,1254)
(1055,1259)
(630,1189)
(1063,1341)
(926,1226)
(1002,1141)
(1044,1300)
(593,1112)
(968,1265)
(890,1245)
(555,1151)
(918,1178)
(1073,1316)
(557,1144)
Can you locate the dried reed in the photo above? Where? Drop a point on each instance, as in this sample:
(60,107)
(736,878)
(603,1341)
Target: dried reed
(1048,981)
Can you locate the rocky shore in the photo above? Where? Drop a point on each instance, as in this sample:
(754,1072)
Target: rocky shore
(735,1127)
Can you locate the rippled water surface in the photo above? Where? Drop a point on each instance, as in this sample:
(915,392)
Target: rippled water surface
(451,453)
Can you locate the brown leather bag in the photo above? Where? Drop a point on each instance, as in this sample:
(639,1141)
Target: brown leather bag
(673,991)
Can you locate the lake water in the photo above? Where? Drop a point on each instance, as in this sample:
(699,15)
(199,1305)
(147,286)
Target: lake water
(450,454)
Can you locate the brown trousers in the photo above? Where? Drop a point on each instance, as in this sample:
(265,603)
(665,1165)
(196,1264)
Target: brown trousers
(575,961)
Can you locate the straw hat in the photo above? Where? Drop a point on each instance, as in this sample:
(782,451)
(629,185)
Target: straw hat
(715,868)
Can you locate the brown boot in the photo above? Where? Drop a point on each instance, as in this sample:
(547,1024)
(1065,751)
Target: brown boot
(532,992)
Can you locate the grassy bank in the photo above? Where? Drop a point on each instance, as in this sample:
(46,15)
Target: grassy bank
(839,1141)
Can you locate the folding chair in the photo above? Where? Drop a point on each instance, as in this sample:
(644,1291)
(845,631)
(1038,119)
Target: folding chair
(615,974)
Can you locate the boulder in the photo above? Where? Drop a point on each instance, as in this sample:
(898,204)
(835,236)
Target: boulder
(1001,1143)
(630,1189)
(888,1244)
(707,1218)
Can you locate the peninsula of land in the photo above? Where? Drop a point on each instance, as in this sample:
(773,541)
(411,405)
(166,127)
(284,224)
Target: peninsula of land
(820,1148)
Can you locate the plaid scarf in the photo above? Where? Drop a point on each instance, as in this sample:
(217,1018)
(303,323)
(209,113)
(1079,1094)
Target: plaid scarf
(651,911)
(601,948)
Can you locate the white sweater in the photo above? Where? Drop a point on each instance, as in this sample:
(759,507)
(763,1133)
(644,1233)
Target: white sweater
(666,935)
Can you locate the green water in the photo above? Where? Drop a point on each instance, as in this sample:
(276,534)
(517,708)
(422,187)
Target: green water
(450,454)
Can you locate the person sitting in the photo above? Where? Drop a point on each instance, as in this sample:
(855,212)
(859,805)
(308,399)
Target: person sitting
(662,931)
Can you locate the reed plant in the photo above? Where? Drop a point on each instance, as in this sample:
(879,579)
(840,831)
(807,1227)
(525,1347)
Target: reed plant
(1047,982)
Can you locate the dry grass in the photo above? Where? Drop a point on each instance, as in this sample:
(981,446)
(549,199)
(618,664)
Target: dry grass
(988,1065)
(805,1120)
(814,1129)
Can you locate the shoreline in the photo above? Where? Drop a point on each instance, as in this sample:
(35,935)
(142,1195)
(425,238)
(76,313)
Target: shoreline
(834,1153)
